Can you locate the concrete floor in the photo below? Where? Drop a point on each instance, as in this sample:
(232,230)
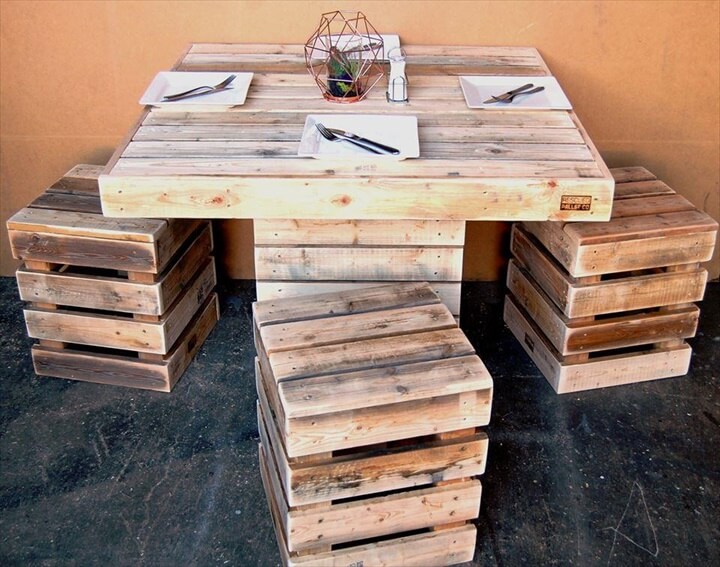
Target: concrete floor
(100,475)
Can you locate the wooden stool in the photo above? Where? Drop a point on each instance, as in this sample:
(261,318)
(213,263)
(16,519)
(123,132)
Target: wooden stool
(370,404)
(115,301)
(603,304)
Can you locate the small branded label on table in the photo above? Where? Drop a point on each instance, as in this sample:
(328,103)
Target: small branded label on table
(575,202)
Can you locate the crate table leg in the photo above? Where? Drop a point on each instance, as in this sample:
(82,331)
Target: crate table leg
(313,459)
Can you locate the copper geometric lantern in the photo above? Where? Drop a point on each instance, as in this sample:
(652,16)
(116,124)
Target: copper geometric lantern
(344,56)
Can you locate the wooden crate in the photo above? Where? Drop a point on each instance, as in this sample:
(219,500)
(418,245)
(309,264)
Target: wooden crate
(124,302)
(370,403)
(612,304)
(301,257)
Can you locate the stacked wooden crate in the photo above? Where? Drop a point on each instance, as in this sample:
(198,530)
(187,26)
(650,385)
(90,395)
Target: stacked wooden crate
(116,301)
(299,257)
(602,304)
(370,404)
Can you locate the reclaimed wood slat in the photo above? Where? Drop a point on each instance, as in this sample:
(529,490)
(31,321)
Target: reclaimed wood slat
(127,370)
(88,328)
(360,233)
(362,473)
(433,548)
(614,370)
(359,326)
(251,167)
(379,386)
(370,353)
(353,301)
(324,263)
(569,336)
(448,292)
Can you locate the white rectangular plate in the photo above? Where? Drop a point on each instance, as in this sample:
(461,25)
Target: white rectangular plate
(479,88)
(171,82)
(394,130)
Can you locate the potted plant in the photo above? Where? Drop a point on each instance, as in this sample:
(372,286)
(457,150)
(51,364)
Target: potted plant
(344,56)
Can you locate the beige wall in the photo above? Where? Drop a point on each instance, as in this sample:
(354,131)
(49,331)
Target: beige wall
(644,78)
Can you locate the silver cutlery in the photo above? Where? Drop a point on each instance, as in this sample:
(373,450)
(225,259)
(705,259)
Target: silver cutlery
(202,90)
(335,135)
(509,96)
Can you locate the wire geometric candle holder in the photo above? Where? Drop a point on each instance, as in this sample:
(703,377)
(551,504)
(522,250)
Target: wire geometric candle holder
(344,56)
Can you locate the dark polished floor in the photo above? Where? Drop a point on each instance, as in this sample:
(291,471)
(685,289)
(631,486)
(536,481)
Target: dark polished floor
(100,475)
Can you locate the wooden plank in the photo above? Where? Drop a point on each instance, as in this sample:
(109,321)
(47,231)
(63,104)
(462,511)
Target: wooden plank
(600,372)
(68,201)
(573,336)
(642,227)
(424,170)
(373,298)
(432,148)
(119,332)
(401,512)
(577,299)
(173,238)
(357,326)
(338,431)
(240,196)
(650,205)
(267,290)
(112,293)
(641,189)
(647,253)
(118,370)
(364,473)
(246,121)
(639,292)
(90,225)
(298,232)
(433,548)
(631,174)
(351,429)
(396,513)
(327,263)
(338,392)
(92,292)
(178,276)
(81,251)
(548,274)
(166,133)
(370,353)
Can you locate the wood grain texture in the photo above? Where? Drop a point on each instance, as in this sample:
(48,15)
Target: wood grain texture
(121,369)
(366,366)
(242,163)
(416,463)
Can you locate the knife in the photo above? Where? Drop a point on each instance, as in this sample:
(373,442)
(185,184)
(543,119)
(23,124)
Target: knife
(505,96)
(370,144)
(173,98)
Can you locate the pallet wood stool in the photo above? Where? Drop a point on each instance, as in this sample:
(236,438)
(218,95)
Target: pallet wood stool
(116,301)
(370,408)
(603,304)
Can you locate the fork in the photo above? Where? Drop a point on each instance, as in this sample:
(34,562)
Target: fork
(334,135)
(512,96)
(202,90)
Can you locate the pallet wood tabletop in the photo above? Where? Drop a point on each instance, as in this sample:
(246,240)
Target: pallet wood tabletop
(241,162)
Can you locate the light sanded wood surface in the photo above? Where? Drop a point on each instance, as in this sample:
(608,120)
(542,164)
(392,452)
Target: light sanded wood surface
(473,165)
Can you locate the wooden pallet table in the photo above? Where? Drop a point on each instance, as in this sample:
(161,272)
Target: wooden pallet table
(598,305)
(370,408)
(126,302)
(336,225)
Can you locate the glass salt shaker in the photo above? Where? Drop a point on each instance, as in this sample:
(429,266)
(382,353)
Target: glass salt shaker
(397,83)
